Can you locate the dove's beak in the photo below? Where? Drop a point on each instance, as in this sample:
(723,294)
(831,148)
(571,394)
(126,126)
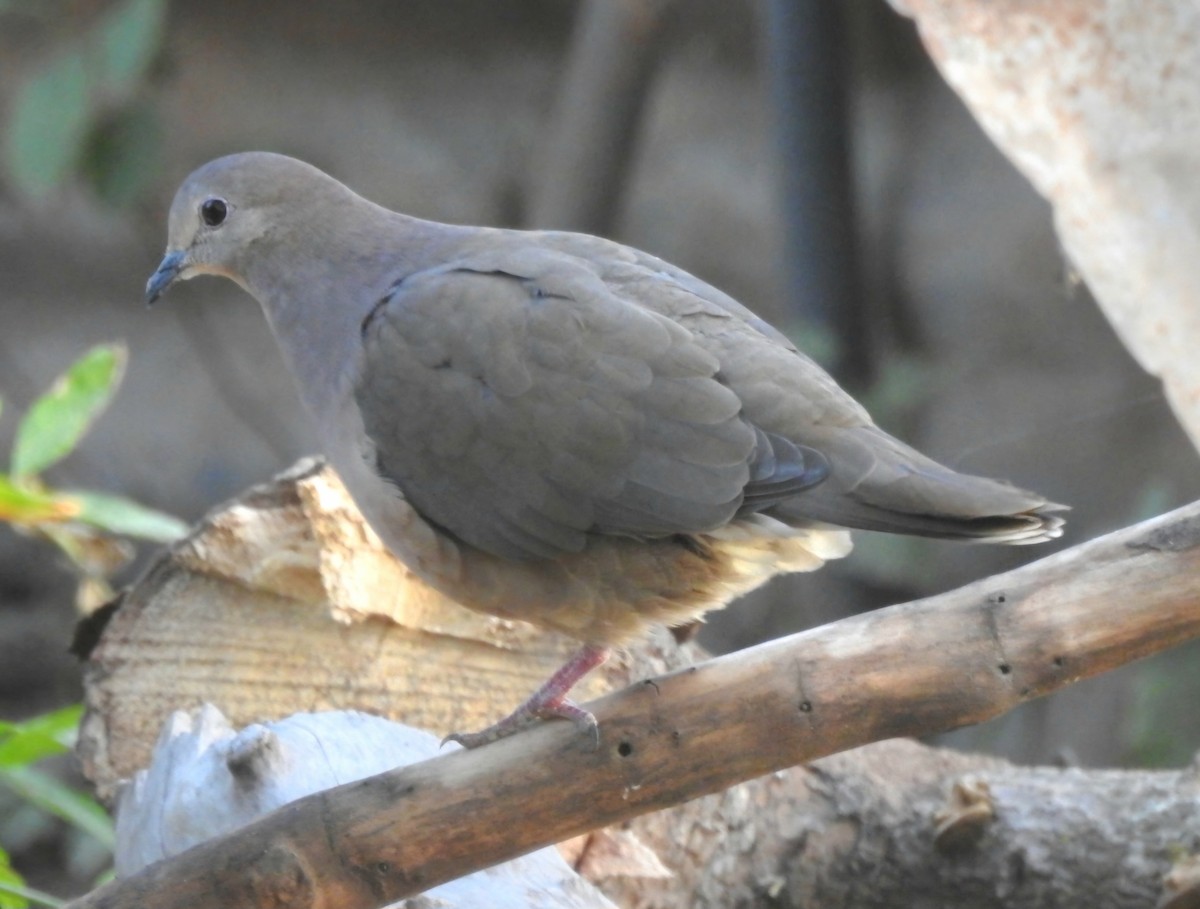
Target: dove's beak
(166,274)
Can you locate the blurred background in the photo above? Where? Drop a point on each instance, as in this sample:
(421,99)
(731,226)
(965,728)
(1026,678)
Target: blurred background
(803,156)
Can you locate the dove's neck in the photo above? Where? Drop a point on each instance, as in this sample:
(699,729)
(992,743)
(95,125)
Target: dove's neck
(334,272)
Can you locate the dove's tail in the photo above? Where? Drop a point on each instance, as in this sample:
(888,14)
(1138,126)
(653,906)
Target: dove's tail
(878,483)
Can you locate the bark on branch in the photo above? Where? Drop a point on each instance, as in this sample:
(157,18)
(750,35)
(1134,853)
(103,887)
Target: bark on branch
(913,669)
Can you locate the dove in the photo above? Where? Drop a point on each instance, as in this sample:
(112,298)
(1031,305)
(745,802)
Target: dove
(556,428)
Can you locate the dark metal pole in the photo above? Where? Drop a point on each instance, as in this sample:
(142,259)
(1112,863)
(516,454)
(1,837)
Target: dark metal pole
(809,76)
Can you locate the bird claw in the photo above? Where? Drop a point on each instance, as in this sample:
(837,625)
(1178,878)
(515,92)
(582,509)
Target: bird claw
(584,720)
(526,715)
(547,702)
(493,733)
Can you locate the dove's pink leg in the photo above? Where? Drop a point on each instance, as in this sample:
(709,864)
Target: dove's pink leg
(547,702)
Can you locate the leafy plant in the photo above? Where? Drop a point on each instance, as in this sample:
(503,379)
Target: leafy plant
(81,111)
(21,746)
(87,526)
(13,892)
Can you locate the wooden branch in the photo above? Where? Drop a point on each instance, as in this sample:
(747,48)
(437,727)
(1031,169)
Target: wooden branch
(957,829)
(952,829)
(913,669)
(896,824)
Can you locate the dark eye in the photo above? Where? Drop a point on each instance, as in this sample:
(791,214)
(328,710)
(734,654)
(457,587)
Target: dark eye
(213,212)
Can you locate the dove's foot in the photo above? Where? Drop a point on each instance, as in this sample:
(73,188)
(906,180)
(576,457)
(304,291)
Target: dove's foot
(548,702)
(526,715)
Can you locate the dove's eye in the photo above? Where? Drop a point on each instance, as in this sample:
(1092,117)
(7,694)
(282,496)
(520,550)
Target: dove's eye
(213,211)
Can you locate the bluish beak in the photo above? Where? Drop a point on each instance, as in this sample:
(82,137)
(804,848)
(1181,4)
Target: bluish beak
(168,270)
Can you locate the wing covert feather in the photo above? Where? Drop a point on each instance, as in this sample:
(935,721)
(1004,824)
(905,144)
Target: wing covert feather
(523,407)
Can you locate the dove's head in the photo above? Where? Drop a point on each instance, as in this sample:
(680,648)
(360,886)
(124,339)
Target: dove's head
(235,210)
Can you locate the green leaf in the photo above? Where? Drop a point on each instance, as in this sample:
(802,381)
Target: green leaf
(61,725)
(129,37)
(10,881)
(22,896)
(127,518)
(11,884)
(48,124)
(59,419)
(15,895)
(24,505)
(50,733)
(25,748)
(51,796)
(123,154)
(54,111)
(104,877)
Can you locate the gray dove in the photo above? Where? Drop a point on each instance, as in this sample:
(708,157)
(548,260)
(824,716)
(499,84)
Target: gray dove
(556,428)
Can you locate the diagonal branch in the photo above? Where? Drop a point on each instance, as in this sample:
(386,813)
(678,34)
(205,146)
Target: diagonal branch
(914,669)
